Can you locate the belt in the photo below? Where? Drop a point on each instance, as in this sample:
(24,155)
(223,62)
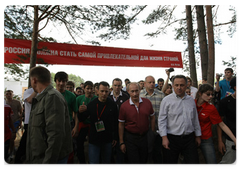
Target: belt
(182,136)
(136,134)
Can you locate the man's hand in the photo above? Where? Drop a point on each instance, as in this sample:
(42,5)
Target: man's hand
(75,132)
(82,108)
(221,148)
(123,148)
(167,72)
(198,140)
(217,77)
(114,142)
(165,142)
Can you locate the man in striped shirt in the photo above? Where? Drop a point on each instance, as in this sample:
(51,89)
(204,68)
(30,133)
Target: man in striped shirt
(154,139)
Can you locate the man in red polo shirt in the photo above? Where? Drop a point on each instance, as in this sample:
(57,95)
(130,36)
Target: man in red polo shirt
(134,124)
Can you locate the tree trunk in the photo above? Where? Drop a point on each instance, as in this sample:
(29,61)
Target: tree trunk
(202,40)
(191,53)
(33,55)
(211,49)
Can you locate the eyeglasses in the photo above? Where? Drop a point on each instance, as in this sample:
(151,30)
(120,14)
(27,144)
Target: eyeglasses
(208,94)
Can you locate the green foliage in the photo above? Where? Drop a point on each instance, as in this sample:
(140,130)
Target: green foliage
(16,70)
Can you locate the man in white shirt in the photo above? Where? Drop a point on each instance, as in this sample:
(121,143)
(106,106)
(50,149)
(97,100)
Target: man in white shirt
(192,89)
(179,125)
(28,95)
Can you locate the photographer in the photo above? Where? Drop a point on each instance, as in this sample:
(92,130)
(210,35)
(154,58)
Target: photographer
(224,85)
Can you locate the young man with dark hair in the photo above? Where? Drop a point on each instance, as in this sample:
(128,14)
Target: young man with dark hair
(224,85)
(70,86)
(127,81)
(160,83)
(49,133)
(192,89)
(61,79)
(82,102)
(79,91)
(227,109)
(103,113)
(179,125)
(141,83)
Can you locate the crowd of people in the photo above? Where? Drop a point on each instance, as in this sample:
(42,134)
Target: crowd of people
(136,124)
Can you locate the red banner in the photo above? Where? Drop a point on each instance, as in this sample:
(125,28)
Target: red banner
(18,51)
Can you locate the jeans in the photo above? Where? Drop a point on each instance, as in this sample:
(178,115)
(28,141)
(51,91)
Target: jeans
(208,151)
(230,154)
(103,150)
(63,160)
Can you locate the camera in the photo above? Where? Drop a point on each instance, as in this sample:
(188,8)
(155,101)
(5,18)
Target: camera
(220,74)
(171,70)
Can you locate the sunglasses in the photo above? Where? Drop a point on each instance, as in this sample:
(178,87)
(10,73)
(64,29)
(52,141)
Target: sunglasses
(208,94)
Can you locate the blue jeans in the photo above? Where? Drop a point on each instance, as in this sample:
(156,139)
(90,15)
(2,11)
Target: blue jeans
(103,150)
(63,160)
(208,151)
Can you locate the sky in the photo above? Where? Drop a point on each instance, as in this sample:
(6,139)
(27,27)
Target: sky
(137,40)
(229,47)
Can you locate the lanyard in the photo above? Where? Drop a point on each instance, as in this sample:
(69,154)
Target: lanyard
(200,111)
(99,116)
(228,85)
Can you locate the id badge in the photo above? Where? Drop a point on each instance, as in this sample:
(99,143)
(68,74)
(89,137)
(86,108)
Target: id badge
(228,93)
(99,126)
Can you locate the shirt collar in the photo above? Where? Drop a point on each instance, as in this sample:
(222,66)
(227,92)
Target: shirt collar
(203,105)
(120,94)
(131,102)
(184,97)
(146,93)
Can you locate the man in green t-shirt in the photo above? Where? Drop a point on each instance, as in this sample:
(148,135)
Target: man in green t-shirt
(82,102)
(61,79)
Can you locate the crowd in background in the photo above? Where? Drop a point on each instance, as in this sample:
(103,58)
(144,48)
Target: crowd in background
(142,122)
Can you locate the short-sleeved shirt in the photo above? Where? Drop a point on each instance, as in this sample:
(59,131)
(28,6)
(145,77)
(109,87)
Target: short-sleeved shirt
(7,113)
(136,119)
(71,101)
(156,99)
(225,88)
(16,108)
(208,116)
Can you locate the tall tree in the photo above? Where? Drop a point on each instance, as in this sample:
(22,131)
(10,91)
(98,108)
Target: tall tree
(192,63)
(201,28)
(211,49)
